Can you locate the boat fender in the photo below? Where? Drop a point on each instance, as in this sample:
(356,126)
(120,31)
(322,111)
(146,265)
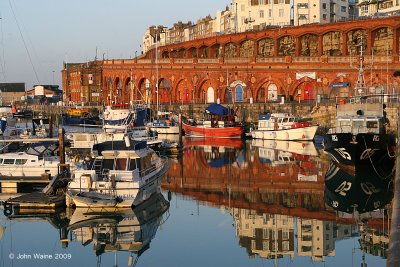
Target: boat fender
(306,124)
(7,209)
(113,182)
(275,126)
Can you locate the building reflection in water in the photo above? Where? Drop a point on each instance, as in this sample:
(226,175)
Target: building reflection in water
(272,236)
(275,194)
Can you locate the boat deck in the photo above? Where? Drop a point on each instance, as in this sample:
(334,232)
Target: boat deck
(35,201)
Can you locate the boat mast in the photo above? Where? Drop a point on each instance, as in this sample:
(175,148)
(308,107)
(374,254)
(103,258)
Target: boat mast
(360,88)
(156,39)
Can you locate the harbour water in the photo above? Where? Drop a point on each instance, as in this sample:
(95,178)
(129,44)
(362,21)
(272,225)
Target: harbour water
(221,204)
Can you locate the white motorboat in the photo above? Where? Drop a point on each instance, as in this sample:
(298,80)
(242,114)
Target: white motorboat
(281,126)
(129,170)
(166,123)
(34,162)
(83,142)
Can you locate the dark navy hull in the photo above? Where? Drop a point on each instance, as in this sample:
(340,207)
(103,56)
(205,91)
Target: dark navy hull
(350,149)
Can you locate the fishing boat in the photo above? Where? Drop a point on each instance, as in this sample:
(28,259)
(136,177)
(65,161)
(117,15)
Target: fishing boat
(362,152)
(359,135)
(130,171)
(35,161)
(219,123)
(282,126)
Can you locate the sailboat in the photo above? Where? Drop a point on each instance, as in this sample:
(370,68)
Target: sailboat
(166,122)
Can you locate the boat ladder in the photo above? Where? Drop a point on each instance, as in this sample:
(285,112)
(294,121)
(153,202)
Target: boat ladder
(97,166)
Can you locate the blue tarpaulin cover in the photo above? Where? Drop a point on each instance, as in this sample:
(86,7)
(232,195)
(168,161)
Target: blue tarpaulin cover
(218,162)
(217,109)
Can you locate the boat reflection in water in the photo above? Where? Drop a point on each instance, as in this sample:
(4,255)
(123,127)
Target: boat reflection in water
(275,199)
(362,189)
(127,230)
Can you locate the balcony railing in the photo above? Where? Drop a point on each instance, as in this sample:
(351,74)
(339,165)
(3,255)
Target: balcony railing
(208,60)
(306,59)
(270,60)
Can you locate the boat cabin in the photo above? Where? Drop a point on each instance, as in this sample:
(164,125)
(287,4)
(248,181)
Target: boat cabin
(138,158)
(360,118)
(279,121)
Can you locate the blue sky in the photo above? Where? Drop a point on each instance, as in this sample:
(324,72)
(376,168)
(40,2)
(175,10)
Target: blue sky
(56,30)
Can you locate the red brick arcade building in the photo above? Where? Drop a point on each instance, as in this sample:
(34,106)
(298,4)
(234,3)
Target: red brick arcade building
(300,63)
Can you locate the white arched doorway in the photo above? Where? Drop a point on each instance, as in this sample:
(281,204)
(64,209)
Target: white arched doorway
(210,95)
(272,92)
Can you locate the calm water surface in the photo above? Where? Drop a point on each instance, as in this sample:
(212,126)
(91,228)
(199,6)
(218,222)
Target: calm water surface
(223,203)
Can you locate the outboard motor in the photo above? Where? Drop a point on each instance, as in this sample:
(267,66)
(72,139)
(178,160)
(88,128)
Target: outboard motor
(3,125)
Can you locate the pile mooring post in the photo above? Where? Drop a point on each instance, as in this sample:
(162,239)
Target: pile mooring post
(180,130)
(61,148)
(393,259)
(51,126)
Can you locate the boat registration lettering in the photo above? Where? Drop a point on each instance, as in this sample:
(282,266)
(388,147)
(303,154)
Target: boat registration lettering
(367,153)
(342,152)
(375,138)
(335,138)
(343,188)
(369,188)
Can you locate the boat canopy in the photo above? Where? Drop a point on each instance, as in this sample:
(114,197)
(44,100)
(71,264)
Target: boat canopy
(217,109)
(43,149)
(119,145)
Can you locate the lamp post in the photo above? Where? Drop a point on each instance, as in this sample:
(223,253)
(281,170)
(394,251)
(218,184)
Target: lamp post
(53,77)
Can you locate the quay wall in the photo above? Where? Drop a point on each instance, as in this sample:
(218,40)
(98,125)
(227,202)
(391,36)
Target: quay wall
(323,114)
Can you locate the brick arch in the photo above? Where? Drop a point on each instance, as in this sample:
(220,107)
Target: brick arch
(215,50)
(309,43)
(267,81)
(352,36)
(246,48)
(165,91)
(266,47)
(203,51)
(141,89)
(231,50)
(382,42)
(329,46)
(108,81)
(298,85)
(127,90)
(182,86)
(202,87)
(286,45)
(165,53)
(341,92)
(192,52)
